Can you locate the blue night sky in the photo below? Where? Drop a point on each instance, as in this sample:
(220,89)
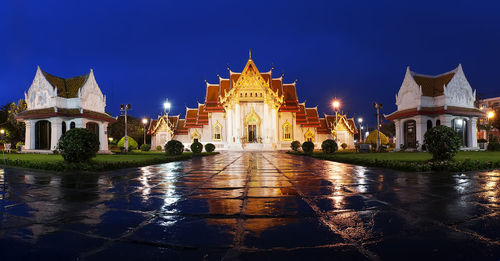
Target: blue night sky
(145,51)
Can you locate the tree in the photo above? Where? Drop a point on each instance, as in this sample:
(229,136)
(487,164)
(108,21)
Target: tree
(135,129)
(389,128)
(15,130)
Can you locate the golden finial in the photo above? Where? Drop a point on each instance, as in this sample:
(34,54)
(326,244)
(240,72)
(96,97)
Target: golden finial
(249,54)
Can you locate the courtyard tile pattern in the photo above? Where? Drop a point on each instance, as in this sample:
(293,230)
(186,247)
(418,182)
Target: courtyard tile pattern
(250,206)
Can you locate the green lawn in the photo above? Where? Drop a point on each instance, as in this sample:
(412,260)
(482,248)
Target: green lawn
(99,163)
(420,156)
(416,161)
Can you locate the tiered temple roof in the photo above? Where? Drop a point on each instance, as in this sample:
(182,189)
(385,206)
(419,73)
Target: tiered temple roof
(287,92)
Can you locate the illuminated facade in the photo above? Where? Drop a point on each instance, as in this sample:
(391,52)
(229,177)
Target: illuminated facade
(252,110)
(425,101)
(57,104)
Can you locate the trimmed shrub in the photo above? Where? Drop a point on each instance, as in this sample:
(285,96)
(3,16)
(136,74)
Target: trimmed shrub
(343,145)
(158,148)
(132,144)
(174,147)
(196,147)
(443,142)
(78,145)
(308,147)
(328,146)
(145,147)
(372,138)
(209,147)
(295,145)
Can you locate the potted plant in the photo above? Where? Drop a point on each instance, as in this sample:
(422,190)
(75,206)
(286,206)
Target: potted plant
(482,143)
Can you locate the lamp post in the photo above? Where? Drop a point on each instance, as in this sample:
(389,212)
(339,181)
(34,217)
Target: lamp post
(144,122)
(491,115)
(360,121)
(166,107)
(2,137)
(336,106)
(378,106)
(125,108)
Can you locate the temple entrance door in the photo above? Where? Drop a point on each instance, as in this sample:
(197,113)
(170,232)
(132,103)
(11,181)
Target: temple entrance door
(252,133)
(43,133)
(410,134)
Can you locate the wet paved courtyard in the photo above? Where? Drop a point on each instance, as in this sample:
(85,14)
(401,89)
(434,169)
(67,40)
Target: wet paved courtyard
(250,206)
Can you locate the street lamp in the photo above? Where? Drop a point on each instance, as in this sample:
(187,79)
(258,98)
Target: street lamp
(378,106)
(490,115)
(125,108)
(110,139)
(360,121)
(166,106)
(144,122)
(336,106)
(2,137)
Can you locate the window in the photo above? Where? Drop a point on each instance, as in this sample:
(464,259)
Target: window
(195,136)
(287,131)
(72,125)
(429,124)
(217,132)
(63,127)
(460,126)
(309,136)
(438,122)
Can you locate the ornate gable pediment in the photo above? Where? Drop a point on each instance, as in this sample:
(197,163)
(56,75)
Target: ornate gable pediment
(410,92)
(251,86)
(458,92)
(41,93)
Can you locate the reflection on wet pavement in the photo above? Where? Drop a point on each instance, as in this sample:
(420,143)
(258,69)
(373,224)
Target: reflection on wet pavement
(250,206)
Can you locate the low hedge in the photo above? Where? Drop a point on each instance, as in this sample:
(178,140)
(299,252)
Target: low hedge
(445,165)
(96,166)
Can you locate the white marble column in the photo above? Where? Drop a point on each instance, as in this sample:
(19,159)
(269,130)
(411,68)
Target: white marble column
(238,124)
(103,136)
(229,129)
(472,129)
(265,124)
(29,140)
(398,134)
(56,132)
(274,127)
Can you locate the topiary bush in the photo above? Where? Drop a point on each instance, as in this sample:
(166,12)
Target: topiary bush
(372,138)
(344,146)
(295,145)
(145,147)
(209,147)
(132,144)
(328,146)
(158,148)
(78,145)
(174,147)
(443,142)
(196,147)
(308,147)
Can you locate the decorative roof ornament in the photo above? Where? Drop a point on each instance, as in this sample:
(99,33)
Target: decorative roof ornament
(249,54)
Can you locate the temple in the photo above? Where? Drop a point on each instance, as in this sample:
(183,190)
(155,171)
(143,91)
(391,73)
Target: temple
(425,101)
(58,104)
(251,110)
